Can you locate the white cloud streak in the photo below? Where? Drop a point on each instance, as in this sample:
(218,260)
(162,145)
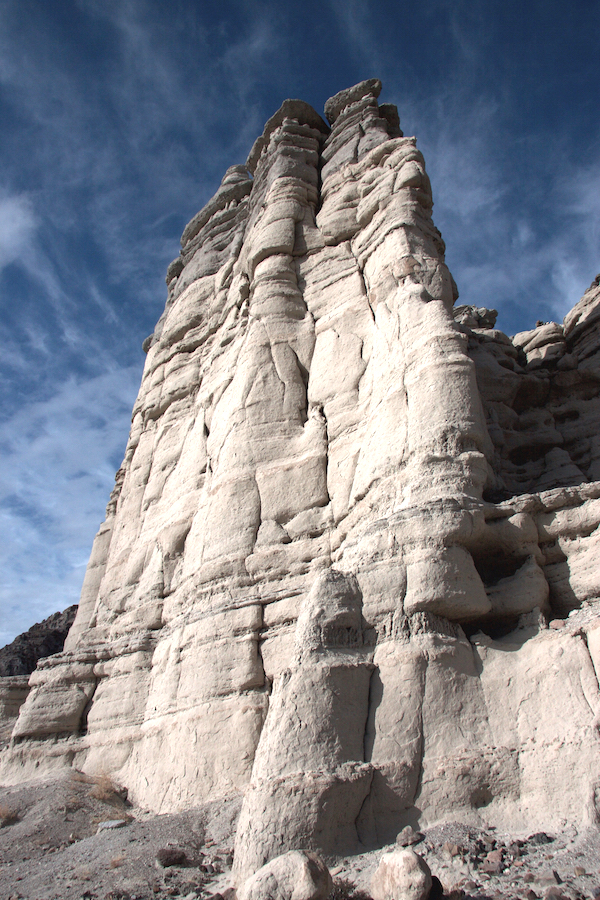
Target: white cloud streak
(18,224)
(59,457)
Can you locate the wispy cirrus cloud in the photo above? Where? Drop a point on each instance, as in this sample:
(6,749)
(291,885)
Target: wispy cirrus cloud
(59,457)
(528,249)
(120,125)
(18,224)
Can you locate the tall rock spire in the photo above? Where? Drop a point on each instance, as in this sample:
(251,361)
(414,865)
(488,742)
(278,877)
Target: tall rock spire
(302,537)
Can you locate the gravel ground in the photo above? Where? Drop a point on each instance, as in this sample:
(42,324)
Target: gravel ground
(76,838)
(477,865)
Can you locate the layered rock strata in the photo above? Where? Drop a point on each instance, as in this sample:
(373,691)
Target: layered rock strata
(21,656)
(540,394)
(13,693)
(346,515)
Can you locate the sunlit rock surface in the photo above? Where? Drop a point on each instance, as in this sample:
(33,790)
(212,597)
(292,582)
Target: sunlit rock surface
(350,562)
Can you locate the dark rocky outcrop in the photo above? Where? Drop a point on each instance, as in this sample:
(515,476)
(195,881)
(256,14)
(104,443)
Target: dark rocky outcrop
(20,657)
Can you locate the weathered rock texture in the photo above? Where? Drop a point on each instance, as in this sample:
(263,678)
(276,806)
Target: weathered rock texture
(346,514)
(21,656)
(13,693)
(401,875)
(295,875)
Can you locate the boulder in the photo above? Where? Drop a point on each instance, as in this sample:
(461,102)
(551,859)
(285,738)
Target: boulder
(296,875)
(401,875)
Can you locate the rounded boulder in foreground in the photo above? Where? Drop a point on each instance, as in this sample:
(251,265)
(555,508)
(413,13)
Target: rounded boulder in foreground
(401,875)
(296,875)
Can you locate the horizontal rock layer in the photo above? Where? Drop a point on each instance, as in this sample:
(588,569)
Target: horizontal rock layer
(346,515)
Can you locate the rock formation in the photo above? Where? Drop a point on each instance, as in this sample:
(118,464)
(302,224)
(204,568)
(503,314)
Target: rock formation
(21,656)
(13,693)
(349,564)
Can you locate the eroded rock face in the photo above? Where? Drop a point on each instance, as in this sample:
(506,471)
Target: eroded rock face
(309,778)
(346,514)
(540,394)
(20,657)
(13,693)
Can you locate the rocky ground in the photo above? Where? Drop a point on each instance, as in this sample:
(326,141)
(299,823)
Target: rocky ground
(76,837)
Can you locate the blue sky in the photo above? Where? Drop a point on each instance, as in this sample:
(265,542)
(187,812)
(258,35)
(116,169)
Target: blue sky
(118,121)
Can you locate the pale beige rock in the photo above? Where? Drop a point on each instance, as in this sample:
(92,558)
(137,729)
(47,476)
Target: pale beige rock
(13,693)
(332,478)
(521,592)
(401,875)
(309,778)
(554,664)
(296,875)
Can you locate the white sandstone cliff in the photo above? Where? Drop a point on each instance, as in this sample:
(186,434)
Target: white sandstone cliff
(346,514)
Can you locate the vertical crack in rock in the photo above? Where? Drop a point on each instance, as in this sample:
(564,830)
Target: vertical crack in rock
(368,737)
(364,834)
(85,712)
(590,684)
(362,839)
